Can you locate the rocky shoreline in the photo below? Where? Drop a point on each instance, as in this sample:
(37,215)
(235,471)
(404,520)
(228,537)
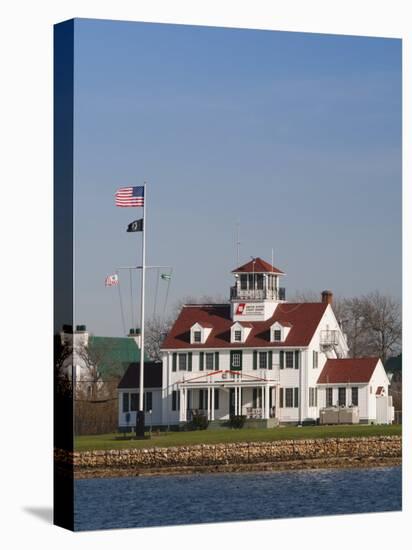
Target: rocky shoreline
(234,457)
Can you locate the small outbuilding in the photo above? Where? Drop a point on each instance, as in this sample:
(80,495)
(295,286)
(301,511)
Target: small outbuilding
(357,382)
(128,390)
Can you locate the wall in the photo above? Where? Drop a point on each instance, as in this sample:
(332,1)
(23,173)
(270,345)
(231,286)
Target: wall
(155,419)
(238,453)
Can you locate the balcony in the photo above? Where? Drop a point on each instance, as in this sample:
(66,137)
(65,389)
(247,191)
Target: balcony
(329,338)
(257,294)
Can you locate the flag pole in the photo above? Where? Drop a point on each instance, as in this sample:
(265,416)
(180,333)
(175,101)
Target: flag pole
(141,385)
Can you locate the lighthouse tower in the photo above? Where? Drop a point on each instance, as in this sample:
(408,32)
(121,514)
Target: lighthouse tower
(256,292)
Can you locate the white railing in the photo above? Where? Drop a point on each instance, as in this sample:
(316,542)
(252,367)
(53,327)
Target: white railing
(329,338)
(254,412)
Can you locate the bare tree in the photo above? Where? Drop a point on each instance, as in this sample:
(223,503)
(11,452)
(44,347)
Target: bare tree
(372,323)
(155,332)
(382,322)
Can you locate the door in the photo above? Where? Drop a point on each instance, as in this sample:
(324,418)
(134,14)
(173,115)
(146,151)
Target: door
(231,401)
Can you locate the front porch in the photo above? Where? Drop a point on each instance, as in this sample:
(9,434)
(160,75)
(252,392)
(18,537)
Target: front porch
(223,394)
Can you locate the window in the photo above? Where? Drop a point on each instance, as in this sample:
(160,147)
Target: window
(288,397)
(182,361)
(329,397)
(255,398)
(216,398)
(277,335)
(296,399)
(203,401)
(342,397)
(134,402)
(263,360)
(175,400)
(236,360)
(311,397)
(355,396)
(148,398)
(125,402)
(243,282)
(197,336)
(289,359)
(238,335)
(209,361)
(315,359)
(259,281)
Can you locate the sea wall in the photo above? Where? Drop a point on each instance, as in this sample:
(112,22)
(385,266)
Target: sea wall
(236,456)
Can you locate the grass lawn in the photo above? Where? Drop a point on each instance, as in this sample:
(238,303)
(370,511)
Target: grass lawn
(169,439)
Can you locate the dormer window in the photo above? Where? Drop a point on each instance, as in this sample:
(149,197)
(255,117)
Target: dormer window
(199,333)
(279,331)
(277,335)
(239,332)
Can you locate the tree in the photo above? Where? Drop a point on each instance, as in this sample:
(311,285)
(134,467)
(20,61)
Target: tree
(382,324)
(155,333)
(371,323)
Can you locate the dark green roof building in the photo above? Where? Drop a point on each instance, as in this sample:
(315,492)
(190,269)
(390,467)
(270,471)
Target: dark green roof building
(112,355)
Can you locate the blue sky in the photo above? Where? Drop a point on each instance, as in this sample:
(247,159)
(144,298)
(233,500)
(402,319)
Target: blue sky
(295,136)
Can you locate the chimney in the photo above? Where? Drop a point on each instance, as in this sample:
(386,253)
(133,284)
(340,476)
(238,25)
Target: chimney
(327,297)
(136,335)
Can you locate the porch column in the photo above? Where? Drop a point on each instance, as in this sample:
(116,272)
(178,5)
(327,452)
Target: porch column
(236,400)
(212,404)
(240,400)
(180,405)
(267,401)
(185,404)
(262,401)
(208,402)
(277,402)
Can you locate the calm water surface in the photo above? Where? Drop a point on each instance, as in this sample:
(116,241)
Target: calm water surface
(176,500)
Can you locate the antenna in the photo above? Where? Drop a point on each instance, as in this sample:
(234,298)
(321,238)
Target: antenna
(272,259)
(238,243)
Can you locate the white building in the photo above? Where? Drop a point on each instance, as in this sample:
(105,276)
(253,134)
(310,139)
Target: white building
(265,358)
(128,389)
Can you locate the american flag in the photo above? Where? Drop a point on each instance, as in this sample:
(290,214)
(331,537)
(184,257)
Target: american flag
(130,196)
(111,280)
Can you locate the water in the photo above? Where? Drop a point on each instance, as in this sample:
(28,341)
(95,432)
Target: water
(178,500)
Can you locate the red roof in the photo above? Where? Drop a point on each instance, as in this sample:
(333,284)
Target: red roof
(257,266)
(304,318)
(342,371)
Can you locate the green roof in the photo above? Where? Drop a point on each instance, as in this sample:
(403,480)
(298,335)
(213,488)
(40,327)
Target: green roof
(112,355)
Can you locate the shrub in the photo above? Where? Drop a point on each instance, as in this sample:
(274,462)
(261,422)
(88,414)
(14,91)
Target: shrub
(199,422)
(237,421)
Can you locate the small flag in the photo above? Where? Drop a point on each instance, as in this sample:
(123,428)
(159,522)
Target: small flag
(137,225)
(165,277)
(111,280)
(130,196)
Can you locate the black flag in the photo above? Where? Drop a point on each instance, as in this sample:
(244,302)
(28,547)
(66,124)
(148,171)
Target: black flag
(137,225)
